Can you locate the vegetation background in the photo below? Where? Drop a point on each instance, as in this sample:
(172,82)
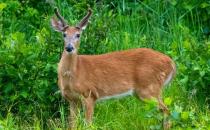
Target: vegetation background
(30,51)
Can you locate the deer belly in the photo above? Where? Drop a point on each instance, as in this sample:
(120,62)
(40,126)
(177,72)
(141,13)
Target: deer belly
(117,96)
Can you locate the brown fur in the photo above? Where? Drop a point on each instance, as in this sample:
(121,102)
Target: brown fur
(87,78)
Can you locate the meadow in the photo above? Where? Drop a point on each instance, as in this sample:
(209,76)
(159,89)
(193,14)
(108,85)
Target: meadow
(30,50)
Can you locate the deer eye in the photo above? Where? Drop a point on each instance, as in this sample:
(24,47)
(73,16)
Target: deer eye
(78,35)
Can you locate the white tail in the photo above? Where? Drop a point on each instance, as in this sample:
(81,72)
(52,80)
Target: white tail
(85,79)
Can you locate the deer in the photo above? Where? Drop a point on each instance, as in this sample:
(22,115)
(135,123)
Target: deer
(85,79)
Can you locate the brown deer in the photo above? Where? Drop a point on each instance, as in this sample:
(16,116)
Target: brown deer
(85,79)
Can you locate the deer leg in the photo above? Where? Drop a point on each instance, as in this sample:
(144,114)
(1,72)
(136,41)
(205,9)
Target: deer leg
(163,107)
(149,93)
(89,103)
(74,110)
(166,113)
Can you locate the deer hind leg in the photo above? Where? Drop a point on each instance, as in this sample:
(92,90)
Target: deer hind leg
(166,113)
(162,106)
(154,91)
(148,92)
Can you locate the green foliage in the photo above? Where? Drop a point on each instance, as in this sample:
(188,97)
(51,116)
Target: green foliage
(27,66)
(30,51)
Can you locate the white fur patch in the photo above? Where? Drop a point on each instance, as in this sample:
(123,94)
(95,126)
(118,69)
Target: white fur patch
(169,78)
(67,74)
(129,92)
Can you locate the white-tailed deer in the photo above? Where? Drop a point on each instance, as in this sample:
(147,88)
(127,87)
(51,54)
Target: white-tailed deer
(84,79)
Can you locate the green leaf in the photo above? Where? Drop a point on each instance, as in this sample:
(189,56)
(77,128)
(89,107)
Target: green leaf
(184,80)
(168,101)
(188,6)
(175,115)
(186,44)
(150,103)
(202,73)
(24,94)
(204,5)
(2,6)
(173,2)
(185,115)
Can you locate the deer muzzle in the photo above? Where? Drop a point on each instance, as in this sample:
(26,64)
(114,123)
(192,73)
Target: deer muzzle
(69,48)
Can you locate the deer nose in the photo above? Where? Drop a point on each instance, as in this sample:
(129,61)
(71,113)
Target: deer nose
(69,48)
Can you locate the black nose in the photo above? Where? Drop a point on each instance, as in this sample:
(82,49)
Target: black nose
(69,48)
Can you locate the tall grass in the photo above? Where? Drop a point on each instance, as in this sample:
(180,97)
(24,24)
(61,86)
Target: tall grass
(124,114)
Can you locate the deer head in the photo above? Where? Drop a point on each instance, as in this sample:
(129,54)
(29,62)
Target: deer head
(71,34)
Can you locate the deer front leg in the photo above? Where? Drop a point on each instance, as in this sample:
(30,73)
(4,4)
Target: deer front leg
(74,110)
(89,103)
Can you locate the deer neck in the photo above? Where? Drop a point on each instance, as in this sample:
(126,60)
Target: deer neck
(68,64)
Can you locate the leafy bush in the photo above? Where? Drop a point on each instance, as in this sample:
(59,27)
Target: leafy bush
(27,63)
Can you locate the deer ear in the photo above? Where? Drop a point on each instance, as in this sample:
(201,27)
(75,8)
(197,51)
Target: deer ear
(57,25)
(83,23)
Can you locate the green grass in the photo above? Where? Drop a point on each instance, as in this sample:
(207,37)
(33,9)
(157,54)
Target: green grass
(125,114)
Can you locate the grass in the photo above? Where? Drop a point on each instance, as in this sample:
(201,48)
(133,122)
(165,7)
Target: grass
(124,114)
